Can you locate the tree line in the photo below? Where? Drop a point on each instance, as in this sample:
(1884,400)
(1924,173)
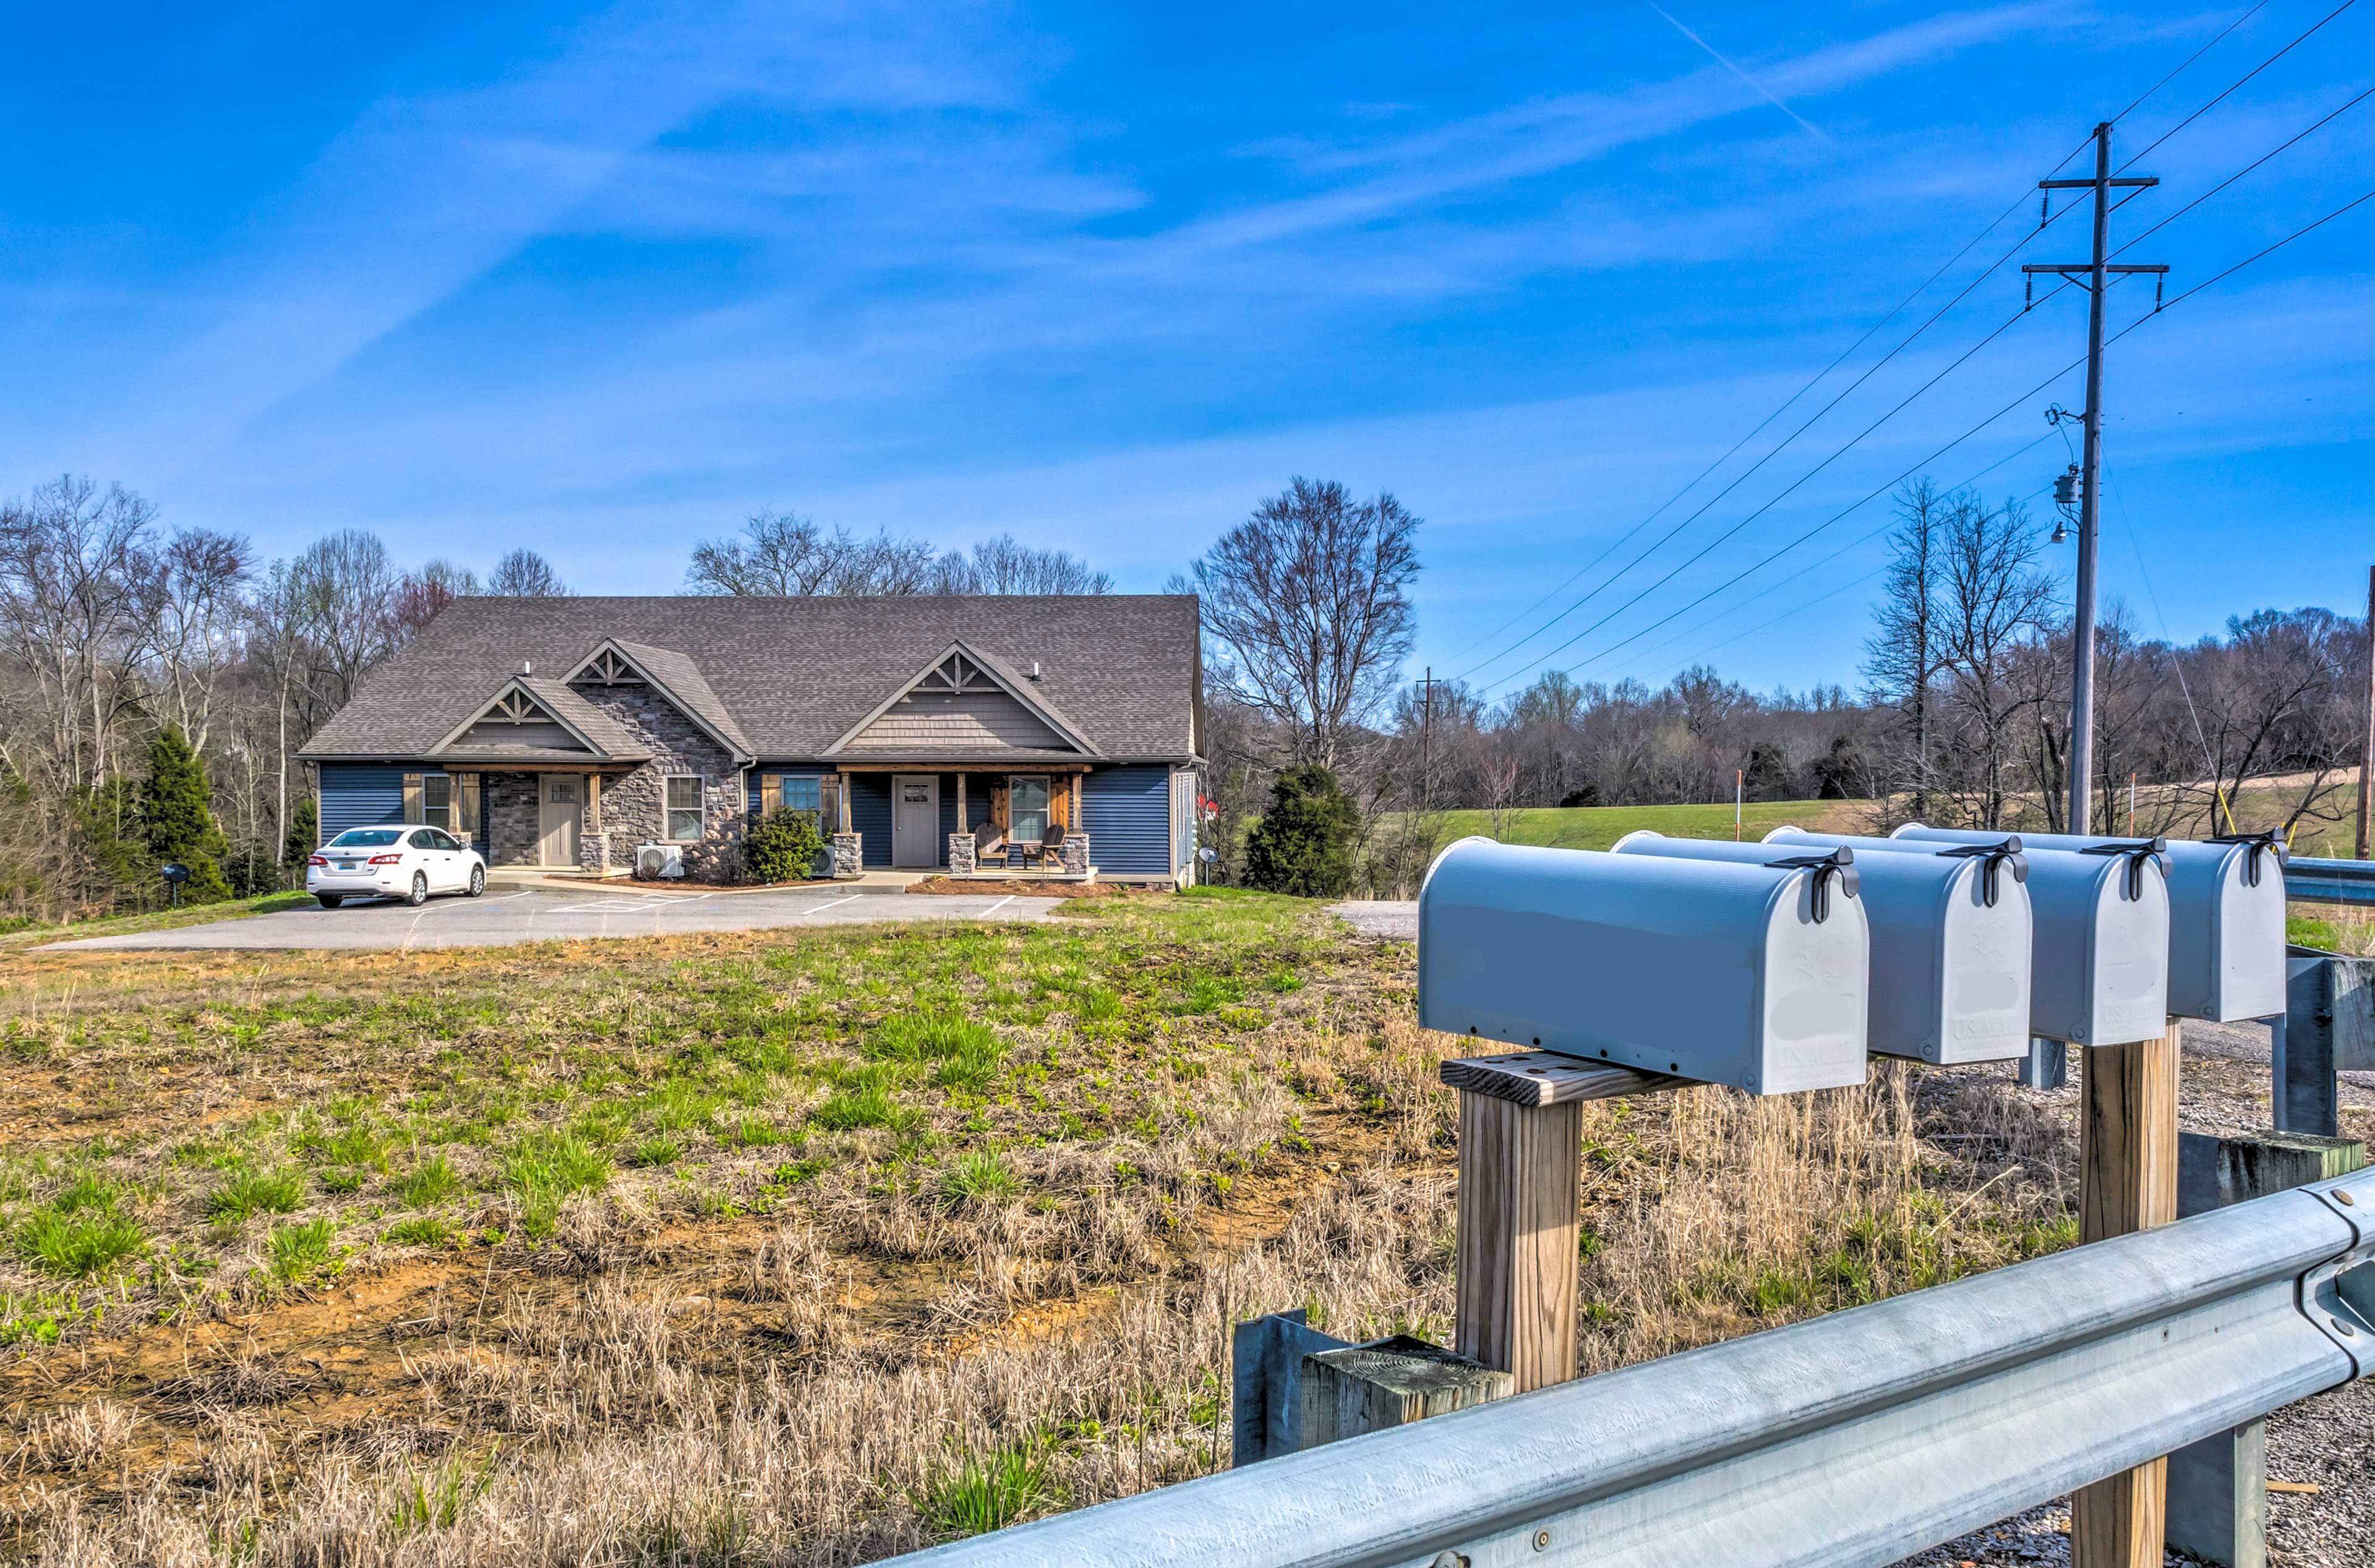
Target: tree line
(1330,769)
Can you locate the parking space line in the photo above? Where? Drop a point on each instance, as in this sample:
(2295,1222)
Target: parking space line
(993,909)
(835,904)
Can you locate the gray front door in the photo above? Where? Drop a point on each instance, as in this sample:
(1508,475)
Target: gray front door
(914,820)
(563,813)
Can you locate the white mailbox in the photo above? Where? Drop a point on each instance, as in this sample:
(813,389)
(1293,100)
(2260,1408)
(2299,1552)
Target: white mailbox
(2226,918)
(2098,958)
(1744,975)
(1949,941)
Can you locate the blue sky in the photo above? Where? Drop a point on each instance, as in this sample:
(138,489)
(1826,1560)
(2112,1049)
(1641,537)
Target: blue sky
(602,281)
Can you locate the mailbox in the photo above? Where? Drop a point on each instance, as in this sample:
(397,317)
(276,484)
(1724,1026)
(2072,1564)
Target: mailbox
(1748,975)
(2226,918)
(1949,941)
(2099,956)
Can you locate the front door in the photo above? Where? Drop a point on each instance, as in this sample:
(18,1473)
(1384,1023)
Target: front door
(914,819)
(564,811)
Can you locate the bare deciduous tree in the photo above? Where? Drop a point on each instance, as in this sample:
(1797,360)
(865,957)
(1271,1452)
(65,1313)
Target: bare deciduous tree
(524,574)
(783,554)
(1306,604)
(1005,565)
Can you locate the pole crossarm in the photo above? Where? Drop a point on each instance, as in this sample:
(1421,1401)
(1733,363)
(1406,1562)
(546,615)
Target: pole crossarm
(2089,267)
(2091,185)
(1851,1441)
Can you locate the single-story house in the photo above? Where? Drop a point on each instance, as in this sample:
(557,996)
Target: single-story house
(574,732)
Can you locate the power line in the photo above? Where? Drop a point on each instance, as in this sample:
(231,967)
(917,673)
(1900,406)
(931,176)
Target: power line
(2239,81)
(2189,60)
(1781,446)
(2255,163)
(2264,250)
(1839,452)
(1850,547)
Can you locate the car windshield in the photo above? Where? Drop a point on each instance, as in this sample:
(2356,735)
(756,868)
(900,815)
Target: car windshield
(366,838)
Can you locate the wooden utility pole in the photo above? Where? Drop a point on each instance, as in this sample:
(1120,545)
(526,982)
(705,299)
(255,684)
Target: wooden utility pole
(2127,1157)
(2098,274)
(2366,741)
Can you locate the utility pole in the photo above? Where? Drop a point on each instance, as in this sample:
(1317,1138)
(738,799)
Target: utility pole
(2366,741)
(2098,274)
(1426,745)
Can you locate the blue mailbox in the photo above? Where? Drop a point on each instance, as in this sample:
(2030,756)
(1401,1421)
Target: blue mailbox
(1750,975)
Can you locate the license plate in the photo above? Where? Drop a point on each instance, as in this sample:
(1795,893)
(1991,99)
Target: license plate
(349,865)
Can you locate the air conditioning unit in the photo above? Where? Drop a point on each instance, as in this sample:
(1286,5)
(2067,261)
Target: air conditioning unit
(659,860)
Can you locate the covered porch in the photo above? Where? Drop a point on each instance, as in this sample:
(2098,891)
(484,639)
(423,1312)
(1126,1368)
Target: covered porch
(965,823)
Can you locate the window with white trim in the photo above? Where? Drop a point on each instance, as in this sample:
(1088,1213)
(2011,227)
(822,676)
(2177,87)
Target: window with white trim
(683,803)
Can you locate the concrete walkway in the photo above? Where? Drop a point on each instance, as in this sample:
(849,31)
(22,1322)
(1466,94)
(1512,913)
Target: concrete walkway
(504,918)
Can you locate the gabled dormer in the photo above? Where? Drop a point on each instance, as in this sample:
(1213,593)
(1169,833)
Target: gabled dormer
(616,661)
(963,700)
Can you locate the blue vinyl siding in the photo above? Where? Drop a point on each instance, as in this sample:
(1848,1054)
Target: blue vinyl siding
(1128,814)
(360,795)
(948,811)
(869,815)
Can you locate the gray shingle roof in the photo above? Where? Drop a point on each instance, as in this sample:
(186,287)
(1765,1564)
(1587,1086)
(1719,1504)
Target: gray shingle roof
(793,675)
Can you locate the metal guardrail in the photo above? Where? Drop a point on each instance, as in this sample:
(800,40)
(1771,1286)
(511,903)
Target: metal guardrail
(1851,1441)
(2330,881)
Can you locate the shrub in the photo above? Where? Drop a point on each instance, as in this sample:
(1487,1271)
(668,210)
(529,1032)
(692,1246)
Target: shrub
(1303,844)
(784,847)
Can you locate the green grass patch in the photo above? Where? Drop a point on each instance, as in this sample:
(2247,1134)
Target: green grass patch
(81,1245)
(988,1492)
(1597,827)
(296,1253)
(429,1183)
(420,1230)
(979,1178)
(960,1052)
(545,1170)
(244,1193)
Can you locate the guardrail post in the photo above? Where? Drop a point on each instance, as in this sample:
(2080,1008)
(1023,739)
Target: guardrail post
(1520,1191)
(2046,1066)
(1365,1388)
(2219,1487)
(2127,1155)
(2329,1023)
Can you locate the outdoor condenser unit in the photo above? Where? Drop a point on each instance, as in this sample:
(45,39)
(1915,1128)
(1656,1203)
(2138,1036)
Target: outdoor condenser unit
(1745,975)
(2226,918)
(2098,955)
(1949,940)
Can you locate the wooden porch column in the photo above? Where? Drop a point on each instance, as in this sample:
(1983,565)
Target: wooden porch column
(2127,1159)
(593,803)
(842,826)
(960,806)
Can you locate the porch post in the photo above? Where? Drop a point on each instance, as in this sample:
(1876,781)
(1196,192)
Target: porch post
(961,804)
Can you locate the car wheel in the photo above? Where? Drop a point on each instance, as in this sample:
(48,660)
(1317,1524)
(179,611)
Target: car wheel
(329,900)
(420,894)
(477,880)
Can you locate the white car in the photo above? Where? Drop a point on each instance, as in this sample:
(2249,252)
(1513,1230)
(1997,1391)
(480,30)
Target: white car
(407,862)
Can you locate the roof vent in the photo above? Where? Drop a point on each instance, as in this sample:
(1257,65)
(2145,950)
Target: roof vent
(527,666)
(1034,669)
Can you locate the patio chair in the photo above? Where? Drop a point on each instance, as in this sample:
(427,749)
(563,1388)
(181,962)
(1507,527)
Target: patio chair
(989,844)
(1051,845)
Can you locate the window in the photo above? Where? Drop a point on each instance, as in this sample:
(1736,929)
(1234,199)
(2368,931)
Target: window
(443,800)
(1026,808)
(444,841)
(684,808)
(790,792)
(425,838)
(366,838)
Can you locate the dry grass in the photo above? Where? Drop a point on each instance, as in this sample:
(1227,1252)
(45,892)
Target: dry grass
(1000,1302)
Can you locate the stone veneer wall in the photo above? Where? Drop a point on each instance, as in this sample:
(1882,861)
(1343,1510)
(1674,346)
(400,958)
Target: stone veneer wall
(634,809)
(513,826)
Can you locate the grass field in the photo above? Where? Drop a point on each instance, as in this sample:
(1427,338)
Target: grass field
(814,1246)
(1597,827)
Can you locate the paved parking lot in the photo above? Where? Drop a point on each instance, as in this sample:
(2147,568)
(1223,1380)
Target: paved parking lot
(1394,919)
(535,915)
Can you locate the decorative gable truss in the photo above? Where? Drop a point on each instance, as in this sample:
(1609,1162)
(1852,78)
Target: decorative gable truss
(614,663)
(962,701)
(517,720)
